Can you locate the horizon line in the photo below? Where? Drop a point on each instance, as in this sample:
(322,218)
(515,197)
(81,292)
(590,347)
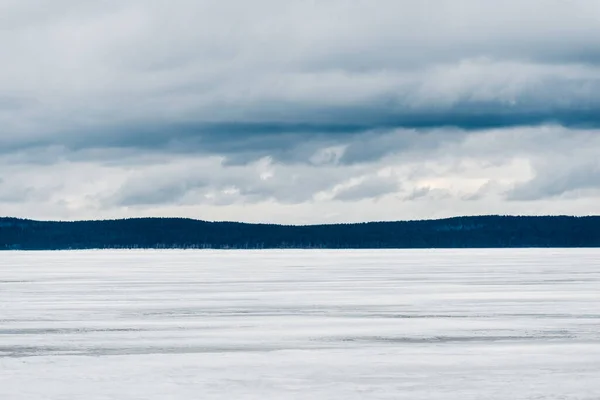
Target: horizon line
(301,225)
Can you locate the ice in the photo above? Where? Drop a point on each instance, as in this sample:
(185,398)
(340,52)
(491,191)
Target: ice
(300,324)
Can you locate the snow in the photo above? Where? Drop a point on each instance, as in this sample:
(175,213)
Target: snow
(294,324)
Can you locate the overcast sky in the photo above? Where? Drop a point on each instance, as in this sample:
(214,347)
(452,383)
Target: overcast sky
(299,111)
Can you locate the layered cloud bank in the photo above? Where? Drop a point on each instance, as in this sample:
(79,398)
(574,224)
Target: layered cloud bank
(299,111)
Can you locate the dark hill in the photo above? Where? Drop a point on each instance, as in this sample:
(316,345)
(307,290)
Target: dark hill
(459,232)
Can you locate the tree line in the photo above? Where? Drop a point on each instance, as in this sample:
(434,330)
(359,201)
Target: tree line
(459,232)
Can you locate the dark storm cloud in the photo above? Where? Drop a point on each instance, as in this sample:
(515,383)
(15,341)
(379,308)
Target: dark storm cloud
(228,78)
(244,142)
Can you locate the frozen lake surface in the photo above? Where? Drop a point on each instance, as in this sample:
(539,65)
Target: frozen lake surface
(291,324)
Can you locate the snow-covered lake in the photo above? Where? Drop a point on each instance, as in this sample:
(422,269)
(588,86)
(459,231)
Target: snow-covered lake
(291,324)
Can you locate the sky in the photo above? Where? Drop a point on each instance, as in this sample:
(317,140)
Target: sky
(299,111)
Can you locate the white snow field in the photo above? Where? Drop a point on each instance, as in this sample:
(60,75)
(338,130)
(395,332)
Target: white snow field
(293,324)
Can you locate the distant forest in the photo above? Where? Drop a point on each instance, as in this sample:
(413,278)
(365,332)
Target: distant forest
(159,233)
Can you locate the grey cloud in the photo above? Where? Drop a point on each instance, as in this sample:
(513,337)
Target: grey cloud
(488,187)
(369,188)
(11,194)
(439,178)
(426,192)
(430,154)
(375,145)
(226,78)
(152,192)
(12,103)
(552,181)
(225,184)
(19,192)
(327,91)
